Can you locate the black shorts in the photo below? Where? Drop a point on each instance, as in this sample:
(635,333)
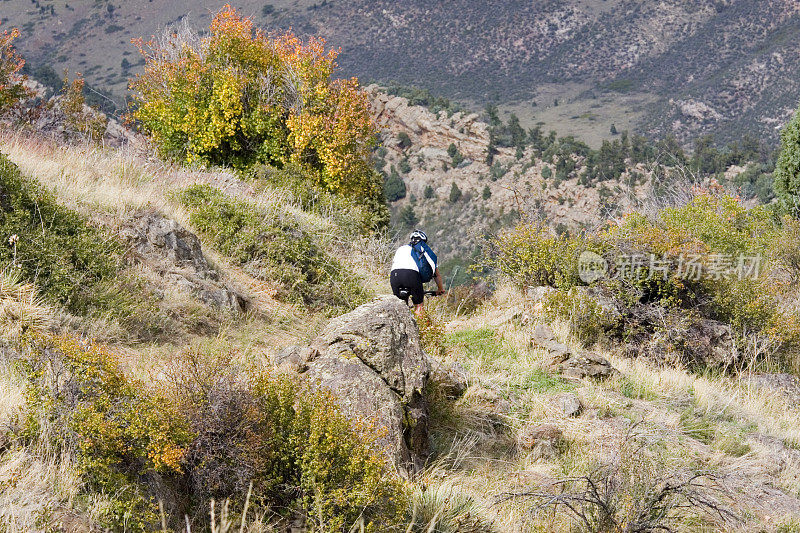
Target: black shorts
(410,281)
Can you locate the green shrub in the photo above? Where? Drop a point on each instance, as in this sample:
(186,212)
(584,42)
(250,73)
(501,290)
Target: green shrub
(273,249)
(408,217)
(787,170)
(68,256)
(395,187)
(72,261)
(404,166)
(587,319)
(78,398)
(530,255)
(712,226)
(290,441)
(713,230)
(497,171)
(455,155)
(455,193)
(404,140)
(216,434)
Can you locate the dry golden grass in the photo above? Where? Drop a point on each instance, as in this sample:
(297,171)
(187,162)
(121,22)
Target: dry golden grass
(647,399)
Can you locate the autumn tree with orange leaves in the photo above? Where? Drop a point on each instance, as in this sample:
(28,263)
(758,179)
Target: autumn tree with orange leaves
(11,88)
(239,97)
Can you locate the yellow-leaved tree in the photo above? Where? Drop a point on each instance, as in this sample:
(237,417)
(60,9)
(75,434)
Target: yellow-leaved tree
(240,97)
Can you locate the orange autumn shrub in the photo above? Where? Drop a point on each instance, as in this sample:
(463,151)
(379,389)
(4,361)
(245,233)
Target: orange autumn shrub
(240,97)
(11,88)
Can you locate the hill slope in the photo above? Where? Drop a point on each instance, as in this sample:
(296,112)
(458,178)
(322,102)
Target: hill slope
(677,66)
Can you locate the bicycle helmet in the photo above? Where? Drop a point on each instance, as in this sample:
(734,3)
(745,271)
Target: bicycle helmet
(416,236)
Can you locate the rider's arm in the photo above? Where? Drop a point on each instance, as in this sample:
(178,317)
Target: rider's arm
(439,284)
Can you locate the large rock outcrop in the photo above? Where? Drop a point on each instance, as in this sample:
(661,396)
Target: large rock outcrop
(175,253)
(372,360)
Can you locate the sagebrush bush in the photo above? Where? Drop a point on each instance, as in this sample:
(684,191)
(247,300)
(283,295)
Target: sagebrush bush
(289,440)
(273,249)
(641,489)
(239,97)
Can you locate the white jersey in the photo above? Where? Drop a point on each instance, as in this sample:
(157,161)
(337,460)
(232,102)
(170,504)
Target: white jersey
(403,260)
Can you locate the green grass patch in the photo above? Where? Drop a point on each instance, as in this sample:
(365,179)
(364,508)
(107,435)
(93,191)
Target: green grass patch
(539,380)
(483,345)
(621,85)
(636,390)
(718,430)
(274,248)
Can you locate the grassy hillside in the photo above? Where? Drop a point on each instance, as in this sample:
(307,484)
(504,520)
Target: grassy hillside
(724,442)
(191,347)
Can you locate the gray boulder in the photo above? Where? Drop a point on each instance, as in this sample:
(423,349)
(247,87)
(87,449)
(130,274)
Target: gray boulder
(587,365)
(153,233)
(544,337)
(372,360)
(177,255)
(569,404)
(451,379)
(574,365)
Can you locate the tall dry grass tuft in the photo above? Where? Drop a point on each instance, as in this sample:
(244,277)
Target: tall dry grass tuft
(21,309)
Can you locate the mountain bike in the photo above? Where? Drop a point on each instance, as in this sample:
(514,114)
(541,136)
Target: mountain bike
(405,295)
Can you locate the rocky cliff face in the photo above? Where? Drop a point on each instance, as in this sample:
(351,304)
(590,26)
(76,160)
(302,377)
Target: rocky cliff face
(492,196)
(434,133)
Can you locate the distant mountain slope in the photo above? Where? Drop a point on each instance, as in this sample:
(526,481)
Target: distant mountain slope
(659,67)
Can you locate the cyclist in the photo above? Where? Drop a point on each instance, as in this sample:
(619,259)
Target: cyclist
(414,265)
